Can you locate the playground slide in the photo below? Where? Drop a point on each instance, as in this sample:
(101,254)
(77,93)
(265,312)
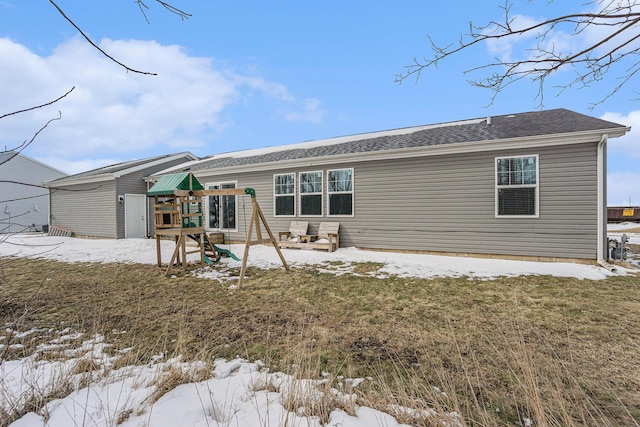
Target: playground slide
(209,261)
(220,251)
(226,252)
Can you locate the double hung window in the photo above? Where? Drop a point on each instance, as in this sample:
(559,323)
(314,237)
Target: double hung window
(340,192)
(311,193)
(284,191)
(517,186)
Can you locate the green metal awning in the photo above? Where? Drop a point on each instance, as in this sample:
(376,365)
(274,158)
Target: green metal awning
(177,181)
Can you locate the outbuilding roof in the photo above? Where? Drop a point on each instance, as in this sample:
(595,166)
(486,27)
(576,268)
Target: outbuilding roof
(118,170)
(494,130)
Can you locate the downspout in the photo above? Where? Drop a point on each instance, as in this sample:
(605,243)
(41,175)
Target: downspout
(602,257)
(49,219)
(146,208)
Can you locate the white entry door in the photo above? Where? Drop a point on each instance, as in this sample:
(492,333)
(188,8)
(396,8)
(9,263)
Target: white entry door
(135,215)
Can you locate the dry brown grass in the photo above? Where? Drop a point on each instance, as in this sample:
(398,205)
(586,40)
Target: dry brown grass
(310,393)
(171,378)
(560,351)
(35,398)
(629,230)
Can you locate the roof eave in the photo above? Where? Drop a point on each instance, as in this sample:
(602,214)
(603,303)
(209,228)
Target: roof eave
(144,166)
(428,151)
(71,180)
(61,182)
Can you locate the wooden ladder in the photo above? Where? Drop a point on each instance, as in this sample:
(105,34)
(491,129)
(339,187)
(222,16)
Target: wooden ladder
(209,249)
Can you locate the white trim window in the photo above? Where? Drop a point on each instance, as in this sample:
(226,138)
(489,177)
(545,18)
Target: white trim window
(517,192)
(340,192)
(284,195)
(310,193)
(220,211)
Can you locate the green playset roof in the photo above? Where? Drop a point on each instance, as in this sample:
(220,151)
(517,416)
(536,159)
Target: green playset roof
(177,181)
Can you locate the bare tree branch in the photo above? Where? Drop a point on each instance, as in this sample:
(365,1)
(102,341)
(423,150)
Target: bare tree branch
(617,47)
(8,181)
(25,144)
(182,14)
(26,184)
(38,106)
(92,43)
(142,5)
(24,198)
(14,216)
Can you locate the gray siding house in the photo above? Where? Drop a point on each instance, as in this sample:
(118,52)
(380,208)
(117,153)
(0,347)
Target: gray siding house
(24,205)
(529,185)
(110,201)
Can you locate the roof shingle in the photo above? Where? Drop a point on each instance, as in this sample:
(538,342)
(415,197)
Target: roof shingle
(530,124)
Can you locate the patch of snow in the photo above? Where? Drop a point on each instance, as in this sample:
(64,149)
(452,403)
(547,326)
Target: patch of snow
(239,393)
(616,226)
(143,251)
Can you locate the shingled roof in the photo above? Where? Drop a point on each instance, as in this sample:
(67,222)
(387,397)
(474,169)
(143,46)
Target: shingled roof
(530,124)
(120,169)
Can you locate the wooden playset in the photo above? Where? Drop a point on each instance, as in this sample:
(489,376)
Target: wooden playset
(177,202)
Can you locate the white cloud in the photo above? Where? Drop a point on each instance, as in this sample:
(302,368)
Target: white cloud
(623,185)
(563,38)
(113,113)
(528,46)
(311,112)
(628,145)
(623,189)
(503,47)
(270,89)
(605,28)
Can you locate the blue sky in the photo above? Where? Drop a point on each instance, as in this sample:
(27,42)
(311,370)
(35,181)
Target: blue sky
(252,74)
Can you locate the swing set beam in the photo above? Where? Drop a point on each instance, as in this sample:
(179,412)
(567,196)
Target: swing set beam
(221,192)
(257,218)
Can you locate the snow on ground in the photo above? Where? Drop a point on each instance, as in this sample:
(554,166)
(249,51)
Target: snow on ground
(617,230)
(632,231)
(625,225)
(238,392)
(69,249)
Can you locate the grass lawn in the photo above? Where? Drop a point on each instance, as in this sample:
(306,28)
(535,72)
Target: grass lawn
(561,351)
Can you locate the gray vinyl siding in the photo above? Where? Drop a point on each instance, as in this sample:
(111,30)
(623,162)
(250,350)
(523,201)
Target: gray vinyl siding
(24,204)
(94,211)
(134,183)
(86,209)
(447,204)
